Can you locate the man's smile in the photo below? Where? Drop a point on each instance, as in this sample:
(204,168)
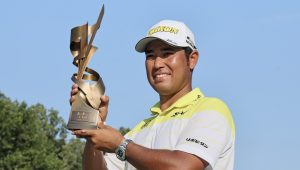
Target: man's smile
(160,76)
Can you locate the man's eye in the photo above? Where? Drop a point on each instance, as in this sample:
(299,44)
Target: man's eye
(149,56)
(166,54)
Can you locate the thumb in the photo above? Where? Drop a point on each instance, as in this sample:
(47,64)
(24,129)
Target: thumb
(103,107)
(101,125)
(84,132)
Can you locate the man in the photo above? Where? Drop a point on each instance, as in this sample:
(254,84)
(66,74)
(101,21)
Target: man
(186,129)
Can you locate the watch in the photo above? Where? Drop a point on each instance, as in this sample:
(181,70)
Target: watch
(120,151)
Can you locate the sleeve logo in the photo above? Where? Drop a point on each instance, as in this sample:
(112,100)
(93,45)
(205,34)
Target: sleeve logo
(196,141)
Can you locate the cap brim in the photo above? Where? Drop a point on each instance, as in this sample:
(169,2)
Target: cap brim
(142,44)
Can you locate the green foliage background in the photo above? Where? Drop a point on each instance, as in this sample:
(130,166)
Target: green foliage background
(33,137)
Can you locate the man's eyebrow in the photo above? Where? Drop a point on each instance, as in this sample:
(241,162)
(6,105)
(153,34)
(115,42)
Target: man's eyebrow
(148,51)
(168,49)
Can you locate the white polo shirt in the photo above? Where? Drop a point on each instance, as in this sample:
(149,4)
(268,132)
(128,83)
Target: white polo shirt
(194,124)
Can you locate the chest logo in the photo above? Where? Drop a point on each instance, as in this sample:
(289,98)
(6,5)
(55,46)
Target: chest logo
(178,113)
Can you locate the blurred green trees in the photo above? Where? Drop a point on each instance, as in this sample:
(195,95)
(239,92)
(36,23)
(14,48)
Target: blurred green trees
(123,130)
(33,137)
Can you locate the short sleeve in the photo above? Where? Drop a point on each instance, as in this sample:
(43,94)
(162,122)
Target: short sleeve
(206,135)
(113,163)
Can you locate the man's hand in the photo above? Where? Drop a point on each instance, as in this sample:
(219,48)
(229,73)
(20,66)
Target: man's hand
(103,109)
(106,138)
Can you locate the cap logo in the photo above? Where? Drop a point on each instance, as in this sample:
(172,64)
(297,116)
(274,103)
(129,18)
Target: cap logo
(163,29)
(190,42)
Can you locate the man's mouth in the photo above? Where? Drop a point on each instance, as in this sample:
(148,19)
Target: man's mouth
(160,75)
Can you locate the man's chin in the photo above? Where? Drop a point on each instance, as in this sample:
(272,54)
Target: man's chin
(163,89)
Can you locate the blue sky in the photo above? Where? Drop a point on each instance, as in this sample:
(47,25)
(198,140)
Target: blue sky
(249,57)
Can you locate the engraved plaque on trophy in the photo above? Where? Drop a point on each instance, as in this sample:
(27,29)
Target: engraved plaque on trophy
(84,112)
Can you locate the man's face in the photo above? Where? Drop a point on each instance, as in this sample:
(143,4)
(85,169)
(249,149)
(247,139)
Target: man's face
(168,70)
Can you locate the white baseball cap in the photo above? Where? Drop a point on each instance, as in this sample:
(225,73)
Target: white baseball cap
(174,33)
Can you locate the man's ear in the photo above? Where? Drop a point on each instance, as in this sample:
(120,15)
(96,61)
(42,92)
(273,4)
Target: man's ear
(193,59)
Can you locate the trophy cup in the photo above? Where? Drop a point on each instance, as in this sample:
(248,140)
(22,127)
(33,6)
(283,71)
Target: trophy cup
(84,112)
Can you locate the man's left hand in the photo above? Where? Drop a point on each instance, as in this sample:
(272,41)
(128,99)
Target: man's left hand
(106,138)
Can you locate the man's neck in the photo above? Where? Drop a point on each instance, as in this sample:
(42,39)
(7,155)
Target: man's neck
(167,100)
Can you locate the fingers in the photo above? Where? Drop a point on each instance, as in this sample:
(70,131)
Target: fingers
(84,132)
(103,108)
(74,91)
(101,124)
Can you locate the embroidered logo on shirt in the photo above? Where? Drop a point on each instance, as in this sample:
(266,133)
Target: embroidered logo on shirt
(145,125)
(198,97)
(196,141)
(178,113)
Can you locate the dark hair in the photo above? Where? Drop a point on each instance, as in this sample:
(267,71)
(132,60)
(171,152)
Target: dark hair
(188,51)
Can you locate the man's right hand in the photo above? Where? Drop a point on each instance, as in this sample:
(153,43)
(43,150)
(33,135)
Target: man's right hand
(103,109)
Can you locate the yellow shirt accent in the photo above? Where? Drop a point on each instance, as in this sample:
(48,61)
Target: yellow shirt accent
(192,103)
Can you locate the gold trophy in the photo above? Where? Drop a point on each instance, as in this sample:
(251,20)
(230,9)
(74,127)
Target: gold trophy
(84,112)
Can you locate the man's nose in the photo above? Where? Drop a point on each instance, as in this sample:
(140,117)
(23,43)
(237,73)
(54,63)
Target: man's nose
(158,62)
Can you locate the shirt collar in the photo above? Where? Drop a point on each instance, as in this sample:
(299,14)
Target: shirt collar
(185,100)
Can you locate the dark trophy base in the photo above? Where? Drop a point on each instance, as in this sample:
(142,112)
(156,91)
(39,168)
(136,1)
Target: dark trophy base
(82,116)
